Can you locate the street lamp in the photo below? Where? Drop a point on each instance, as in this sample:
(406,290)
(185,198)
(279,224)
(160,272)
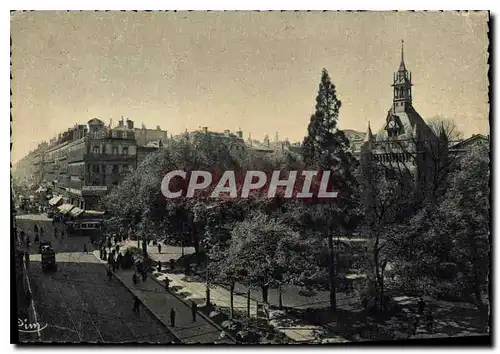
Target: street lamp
(207,285)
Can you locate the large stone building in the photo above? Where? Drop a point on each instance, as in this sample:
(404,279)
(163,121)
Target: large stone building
(29,170)
(404,130)
(405,142)
(86,161)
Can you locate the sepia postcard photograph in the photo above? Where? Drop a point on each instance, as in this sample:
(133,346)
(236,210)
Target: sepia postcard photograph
(250,177)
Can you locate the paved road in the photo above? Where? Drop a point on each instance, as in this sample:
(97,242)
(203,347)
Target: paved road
(79,303)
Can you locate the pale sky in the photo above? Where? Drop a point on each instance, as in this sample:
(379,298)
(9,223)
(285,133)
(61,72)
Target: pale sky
(255,71)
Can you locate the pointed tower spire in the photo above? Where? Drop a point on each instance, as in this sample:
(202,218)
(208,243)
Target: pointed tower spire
(369,134)
(442,132)
(402,64)
(402,86)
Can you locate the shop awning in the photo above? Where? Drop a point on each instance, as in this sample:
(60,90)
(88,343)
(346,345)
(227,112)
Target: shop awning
(75,211)
(55,200)
(65,208)
(41,189)
(94,213)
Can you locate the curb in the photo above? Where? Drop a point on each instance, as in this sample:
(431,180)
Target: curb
(27,286)
(32,302)
(207,318)
(204,316)
(142,302)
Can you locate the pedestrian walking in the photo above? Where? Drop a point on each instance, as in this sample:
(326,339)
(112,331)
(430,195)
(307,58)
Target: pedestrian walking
(430,322)
(85,248)
(117,248)
(172,317)
(194,309)
(136,305)
(110,274)
(135,279)
(167,283)
(144,276)
(119,260)
(421,306)
(159,266)
(159,247)
(414,326)
(222,335)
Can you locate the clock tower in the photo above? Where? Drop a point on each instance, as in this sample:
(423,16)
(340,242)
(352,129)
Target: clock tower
(401,83)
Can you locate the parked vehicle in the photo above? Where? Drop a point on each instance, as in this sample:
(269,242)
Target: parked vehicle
(48,256)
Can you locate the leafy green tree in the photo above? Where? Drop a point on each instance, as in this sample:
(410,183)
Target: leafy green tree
(326,148)
(467,212)
(443,250)
(138,202)
(254,243)
(384,198)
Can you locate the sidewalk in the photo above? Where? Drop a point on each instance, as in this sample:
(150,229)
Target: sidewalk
(160,302)
(192,288)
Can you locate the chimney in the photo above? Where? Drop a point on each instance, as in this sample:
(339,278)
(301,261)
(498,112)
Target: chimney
(266,141)
(120,123)
(130,124)
(226,132)
(240,134)
(158,127)
(205,130)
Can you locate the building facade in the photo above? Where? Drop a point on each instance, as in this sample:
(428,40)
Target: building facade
(86,161)
(30,170)
(405,144)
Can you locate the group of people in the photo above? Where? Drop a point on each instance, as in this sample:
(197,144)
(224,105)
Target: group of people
(173,313)
(426,315)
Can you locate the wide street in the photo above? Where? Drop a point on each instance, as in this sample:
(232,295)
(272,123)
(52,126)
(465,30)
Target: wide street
(80,304)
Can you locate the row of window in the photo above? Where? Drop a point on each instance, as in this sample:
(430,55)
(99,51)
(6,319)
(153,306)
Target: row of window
(101,134)
(114,168)
(87,226)
(394,157)
(114,150)
(400,92)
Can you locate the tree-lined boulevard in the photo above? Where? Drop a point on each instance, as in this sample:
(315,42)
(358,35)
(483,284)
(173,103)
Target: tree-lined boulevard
(390,257)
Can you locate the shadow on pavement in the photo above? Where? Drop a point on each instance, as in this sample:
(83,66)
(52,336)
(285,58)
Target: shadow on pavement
(79,303)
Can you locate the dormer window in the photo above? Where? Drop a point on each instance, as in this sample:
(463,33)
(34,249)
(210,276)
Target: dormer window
(392,128)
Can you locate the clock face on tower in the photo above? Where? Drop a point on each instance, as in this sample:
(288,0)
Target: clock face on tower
(392,128)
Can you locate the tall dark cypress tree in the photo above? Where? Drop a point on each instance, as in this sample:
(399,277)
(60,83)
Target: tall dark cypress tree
(326,148)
